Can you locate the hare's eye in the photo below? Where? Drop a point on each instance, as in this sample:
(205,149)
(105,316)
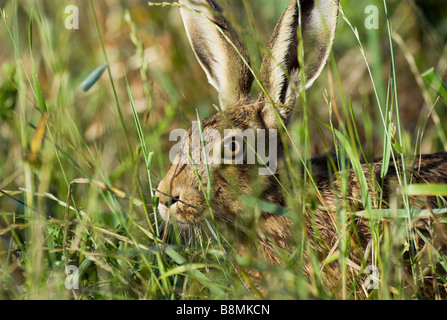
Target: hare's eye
(232,148)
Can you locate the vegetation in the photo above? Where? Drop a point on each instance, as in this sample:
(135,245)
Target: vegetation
(85,117)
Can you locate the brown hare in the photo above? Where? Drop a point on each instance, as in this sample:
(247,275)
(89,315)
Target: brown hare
(282,77)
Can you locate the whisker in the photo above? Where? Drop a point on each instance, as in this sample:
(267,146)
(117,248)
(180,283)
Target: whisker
(190,238)
(171,197)
(232,248)
(212,230)
(163,225)
(180,233)
(233,222)
(156,174)
(200,234)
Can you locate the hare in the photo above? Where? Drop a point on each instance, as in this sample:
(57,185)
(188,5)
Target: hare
(227,66)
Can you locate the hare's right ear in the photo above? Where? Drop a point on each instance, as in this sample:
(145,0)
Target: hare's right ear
(218,50)
(280,70)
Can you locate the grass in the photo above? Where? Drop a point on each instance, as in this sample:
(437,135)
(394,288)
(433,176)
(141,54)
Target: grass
(78,167)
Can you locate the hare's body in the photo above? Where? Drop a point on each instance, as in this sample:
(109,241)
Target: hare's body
(227,66)
(424,169)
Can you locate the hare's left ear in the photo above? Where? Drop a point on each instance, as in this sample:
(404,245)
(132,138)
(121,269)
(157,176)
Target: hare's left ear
(218,50)
(280,70)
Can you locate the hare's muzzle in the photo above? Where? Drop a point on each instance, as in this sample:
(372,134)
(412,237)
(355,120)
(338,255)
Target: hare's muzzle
(179,201)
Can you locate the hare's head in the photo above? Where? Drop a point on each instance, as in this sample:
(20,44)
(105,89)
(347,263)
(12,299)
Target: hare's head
(234,152)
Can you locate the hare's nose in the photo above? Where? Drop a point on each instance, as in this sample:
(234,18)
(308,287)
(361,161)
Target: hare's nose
(174,200)
(169,200)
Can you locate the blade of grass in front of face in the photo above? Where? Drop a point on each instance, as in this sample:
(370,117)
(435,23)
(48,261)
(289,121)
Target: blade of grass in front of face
(165,282)
(147,158)
(206,192)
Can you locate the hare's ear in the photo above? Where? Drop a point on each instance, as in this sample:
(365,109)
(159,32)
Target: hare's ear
(218,50)
(280,70)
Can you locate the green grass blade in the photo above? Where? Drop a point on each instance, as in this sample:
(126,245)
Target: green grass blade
(254,203)
(179,259)
(37,88)
(426,190)
(357,166)
(93,77)
(436,82)
(397,214)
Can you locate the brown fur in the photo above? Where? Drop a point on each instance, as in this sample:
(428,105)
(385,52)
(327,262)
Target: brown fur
(425,169)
